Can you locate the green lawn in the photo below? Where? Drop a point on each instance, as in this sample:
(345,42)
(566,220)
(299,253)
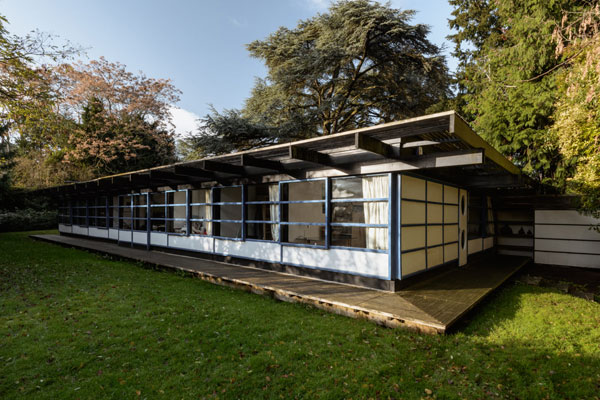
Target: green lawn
(77,325)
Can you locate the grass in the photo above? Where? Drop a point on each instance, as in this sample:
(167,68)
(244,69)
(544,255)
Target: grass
(77,325)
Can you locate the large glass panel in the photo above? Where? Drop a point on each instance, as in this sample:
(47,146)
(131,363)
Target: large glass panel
(176,212)
(176,197)
(262,212)
(101,222)
(359,236)
(373,212)
(140,224)
(200,212)
(140,212)
(228,211)
(304,212)
(157,212)
(200,196)
(139,200)
(176,227)
(124,201)
(125,224)
(303,234)
(263,192)
(157,225)
(227,194)
(262,231)
(228,229)
(297,191)
(201,228)
(369,187)
(157,198)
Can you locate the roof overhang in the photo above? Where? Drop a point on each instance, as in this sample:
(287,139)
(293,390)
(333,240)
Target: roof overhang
(438,144)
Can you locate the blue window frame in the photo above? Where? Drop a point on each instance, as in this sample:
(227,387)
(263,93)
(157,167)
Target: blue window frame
(227,211)
(97,212)
(303,212)
(64,212)
(200,212)
(360,212)
(261,216)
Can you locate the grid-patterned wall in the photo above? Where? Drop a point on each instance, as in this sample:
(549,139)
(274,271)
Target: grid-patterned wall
(429,224)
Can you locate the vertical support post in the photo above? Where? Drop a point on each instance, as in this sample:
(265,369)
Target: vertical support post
(106,210)
(393,231)
(280,212)
(327,213)
(71,213)
(131,220)
(244,195)
(87,215)
(188,212)
(426,225)
(148,225)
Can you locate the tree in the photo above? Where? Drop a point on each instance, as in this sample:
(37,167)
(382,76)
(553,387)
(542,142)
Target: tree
(508,78)
(104,120)
(359,64)
(576,127)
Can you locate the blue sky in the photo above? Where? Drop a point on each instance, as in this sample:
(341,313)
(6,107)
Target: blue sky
(198,44)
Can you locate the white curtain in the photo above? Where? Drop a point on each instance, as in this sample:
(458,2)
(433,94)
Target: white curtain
(376,212)
(274,196)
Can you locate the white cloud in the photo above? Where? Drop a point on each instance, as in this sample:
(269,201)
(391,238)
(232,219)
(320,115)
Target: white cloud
(185,121)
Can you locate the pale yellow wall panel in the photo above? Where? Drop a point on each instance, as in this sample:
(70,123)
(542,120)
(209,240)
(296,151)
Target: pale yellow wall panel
(475,245)
(434,192)
(434,235)
(450,252)
(413,188)
(435,256)
(450,195)
(412,212)
(413,262)
(412,237)
(450,233)
(488,243)
(434,213)
(450,214)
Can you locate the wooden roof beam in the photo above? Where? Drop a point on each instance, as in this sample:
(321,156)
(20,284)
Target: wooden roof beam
(423,143)
(311,156)
(210,165)
(367,143)
(192,172)
(249,161)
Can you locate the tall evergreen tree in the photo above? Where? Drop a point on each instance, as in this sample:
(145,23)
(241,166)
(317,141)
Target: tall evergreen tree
(359,64)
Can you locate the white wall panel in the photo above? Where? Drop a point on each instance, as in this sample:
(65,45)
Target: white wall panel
(99,233)
(80,230)
(515,241)
(158,239)
(340,260)
(124,236)
(140,237)
(113,234)
(64,228)
(566,232)
(569,217)
(568,246)
(194,243)
(573,260)
(264,251)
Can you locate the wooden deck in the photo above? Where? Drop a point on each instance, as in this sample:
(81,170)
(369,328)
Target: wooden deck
(430,305)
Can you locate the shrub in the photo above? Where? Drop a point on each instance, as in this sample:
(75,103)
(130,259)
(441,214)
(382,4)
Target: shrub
(27,219)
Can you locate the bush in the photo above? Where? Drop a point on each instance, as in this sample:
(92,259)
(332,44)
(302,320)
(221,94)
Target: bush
(27,219)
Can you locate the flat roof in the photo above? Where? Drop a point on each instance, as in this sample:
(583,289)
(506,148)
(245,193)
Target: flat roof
(441,143)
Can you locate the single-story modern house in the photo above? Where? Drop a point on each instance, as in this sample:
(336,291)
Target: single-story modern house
(372,206)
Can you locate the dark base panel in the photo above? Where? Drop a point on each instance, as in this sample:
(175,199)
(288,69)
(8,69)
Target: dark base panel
(332,276)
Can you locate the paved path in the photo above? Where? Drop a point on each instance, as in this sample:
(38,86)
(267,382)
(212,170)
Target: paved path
(430,305)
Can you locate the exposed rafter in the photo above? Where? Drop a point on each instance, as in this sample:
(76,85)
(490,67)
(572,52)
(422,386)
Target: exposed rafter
(367,143)
(311,156)
(210,165)
(249,161)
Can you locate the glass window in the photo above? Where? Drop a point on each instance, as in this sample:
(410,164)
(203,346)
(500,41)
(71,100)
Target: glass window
(140,212)
(303,234)
(228,211)
(263,192)
(302,191)
(304,212)
(262,212)
(177,212)
(200,212)
(140,225)
(227,229)
(157,212)
(227,194)
(157,225)
(369,187)
(200,196)
(157,198)
(176,197)
(360,237)
(201,228)
(262,231)
(375,212)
